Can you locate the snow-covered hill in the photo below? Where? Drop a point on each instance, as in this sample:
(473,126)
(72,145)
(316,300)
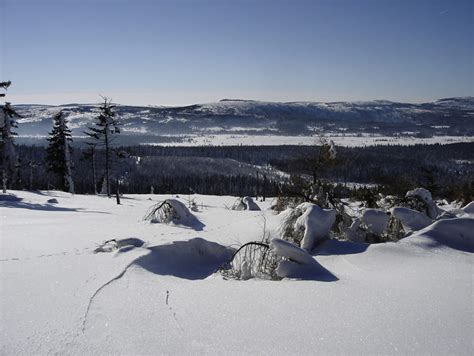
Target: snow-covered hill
(162,297)
(452,116)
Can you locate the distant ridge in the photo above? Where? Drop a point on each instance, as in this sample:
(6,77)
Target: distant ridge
(447,116)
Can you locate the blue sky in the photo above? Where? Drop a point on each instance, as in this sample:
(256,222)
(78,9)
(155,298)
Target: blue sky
(189,51)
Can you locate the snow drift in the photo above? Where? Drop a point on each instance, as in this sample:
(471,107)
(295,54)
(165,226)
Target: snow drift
(455,233)
(411,220)
(298,263)
(196,258)
(172,211)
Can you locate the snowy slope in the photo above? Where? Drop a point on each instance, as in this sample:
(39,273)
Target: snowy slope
(453,116)
(394,298)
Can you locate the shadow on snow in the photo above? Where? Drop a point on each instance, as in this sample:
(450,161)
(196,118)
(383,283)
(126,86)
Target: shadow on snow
(193,259)
(12,201)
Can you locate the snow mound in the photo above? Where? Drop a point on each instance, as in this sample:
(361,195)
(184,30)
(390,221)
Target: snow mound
(411,220)
(193,259)
(375,221)
(316,223)
(172,211)
(298,263)
(424,195)
(455,233)
(287,249)
(421,193)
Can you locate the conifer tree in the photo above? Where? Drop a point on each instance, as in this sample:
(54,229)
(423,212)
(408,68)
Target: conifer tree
(105,127)
(9,159)
(59,152)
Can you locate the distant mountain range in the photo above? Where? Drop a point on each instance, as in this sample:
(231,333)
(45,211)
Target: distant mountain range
(450,116)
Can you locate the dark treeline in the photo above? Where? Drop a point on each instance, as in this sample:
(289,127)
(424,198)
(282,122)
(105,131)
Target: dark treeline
(447,170)
(177,174)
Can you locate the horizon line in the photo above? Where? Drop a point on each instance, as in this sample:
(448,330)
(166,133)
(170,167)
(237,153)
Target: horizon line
(246,100)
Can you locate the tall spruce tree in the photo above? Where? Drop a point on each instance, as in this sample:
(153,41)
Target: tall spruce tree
(59,153)
(9,159)
(103,132)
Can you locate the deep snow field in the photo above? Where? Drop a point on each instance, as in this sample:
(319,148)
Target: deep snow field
(345,140)
(410,297)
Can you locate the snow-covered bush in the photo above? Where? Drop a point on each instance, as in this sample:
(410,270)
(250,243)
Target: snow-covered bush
(273,261)
(296,262)
(374,226)
(169,210)
(245,203)
(307,225)
(375,221)
(427,205)
(252,260)
(411,220)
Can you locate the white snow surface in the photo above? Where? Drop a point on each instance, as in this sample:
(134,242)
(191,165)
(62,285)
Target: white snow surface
(345,140)
(410,297)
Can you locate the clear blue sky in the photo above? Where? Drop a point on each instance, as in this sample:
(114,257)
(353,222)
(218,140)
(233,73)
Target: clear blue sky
(187,51)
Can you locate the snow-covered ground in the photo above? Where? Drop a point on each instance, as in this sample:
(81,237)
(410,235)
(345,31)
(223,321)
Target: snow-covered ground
(340,140)
(410,297)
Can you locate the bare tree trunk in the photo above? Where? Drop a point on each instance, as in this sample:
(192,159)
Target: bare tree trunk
(67,160)
(257,188)
(107,154)
(30,164)
(4,181)
(94,174)
(118,192)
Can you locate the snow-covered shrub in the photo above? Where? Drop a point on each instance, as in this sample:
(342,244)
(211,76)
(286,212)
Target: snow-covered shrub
(374,226)
(252,260)
(387,202)
(193,205)
(169,210)
(274,261)
(354,232)
(282,203)
(296,262)
(411,220)
(425,202)
(306,225)
(245,203)
(375,221)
